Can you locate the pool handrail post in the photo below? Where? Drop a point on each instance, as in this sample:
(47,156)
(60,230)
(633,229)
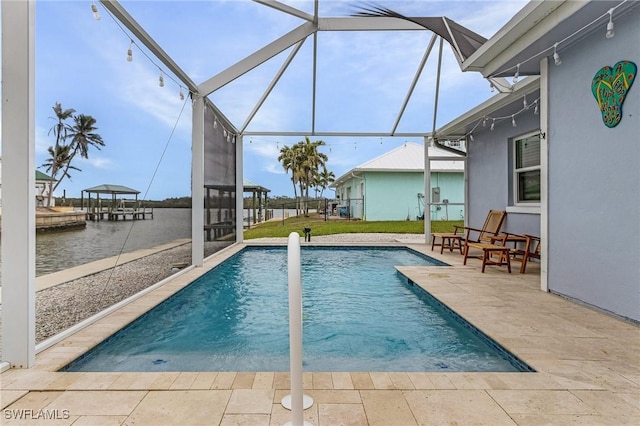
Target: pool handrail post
(296,401)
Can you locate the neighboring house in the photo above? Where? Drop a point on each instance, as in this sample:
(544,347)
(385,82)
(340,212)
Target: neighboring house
(391,186)
(563,173)
(42,189)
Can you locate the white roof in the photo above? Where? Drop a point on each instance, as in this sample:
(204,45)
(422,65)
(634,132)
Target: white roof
(408,158)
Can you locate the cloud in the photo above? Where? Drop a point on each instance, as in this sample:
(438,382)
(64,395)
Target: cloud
(96,162)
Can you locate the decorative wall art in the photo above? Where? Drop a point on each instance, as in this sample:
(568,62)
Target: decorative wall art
(610,86)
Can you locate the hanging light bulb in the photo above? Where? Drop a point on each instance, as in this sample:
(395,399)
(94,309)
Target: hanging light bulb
(556,57)
(535,110)
(610,31)
(181,95)
(94,9)
(517,74)
(161,80)
(525,104)
(130,52)
(215,122)
(224,133)
(471,138)
(229,137)
(484,122)
(513,120)
(493,124)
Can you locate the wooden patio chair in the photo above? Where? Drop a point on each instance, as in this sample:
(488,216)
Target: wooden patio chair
(531,251)
(494,252)
(462,234)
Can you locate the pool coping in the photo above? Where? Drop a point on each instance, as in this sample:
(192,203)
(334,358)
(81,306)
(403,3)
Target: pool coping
(591,353)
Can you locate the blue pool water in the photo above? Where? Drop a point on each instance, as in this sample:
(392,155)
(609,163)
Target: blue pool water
(359,314)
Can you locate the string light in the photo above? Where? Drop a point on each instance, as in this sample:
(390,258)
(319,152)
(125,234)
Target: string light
(96,15)
(224,132)
(556,57)
(215,122)
(610,32)
(484,122)
(94,9)
(130,52)
(535,110)
(471,138)
(525,105)
(513,120)
(493,124)
(517,74)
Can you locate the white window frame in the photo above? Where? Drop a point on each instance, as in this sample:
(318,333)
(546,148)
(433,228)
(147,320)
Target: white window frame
(516,172)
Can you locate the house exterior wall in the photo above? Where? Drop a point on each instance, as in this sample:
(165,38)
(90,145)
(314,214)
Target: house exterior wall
(594,177)
(490,169)
(394,195)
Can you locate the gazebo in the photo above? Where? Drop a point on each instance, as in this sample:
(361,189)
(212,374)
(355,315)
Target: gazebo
(115,210)
(257,191)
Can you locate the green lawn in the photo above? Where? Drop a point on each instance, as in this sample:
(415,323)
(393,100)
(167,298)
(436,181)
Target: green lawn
(320,227)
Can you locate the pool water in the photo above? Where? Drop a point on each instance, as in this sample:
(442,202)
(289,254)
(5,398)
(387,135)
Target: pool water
(359,314)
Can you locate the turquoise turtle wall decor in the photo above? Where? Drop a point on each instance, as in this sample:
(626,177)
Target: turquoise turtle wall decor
(610,86)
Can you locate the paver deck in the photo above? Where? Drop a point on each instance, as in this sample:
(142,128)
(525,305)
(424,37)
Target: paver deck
(587,363)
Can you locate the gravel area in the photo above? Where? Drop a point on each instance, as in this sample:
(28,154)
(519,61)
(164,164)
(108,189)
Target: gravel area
(62,306)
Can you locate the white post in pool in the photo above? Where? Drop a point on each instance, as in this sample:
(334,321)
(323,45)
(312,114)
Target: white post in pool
(296,401)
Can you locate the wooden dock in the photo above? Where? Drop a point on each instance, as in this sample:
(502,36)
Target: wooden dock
(140,213)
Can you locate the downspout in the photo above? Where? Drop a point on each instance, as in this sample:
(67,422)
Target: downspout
(544,174)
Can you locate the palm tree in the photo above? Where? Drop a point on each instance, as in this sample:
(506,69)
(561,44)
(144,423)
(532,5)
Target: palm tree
(324,179)
(83,136)
(311,159)
(288,159)
(59,157)
(60,130)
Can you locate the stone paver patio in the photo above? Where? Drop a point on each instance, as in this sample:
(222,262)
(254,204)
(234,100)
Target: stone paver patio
(587,363)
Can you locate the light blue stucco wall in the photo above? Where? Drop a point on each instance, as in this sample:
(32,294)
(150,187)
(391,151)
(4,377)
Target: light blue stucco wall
(594,177)
(489,167)
(394,195)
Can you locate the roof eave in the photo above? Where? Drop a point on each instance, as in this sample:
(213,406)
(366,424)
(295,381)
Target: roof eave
(527,26)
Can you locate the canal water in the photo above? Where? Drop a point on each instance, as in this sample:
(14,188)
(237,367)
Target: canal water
(59,250)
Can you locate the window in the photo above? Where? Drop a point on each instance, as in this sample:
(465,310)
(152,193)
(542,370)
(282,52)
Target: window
(526,173)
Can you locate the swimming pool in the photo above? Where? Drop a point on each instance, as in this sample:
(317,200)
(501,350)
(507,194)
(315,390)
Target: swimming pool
(359,314)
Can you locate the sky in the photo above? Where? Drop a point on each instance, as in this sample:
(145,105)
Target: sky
(362,81)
